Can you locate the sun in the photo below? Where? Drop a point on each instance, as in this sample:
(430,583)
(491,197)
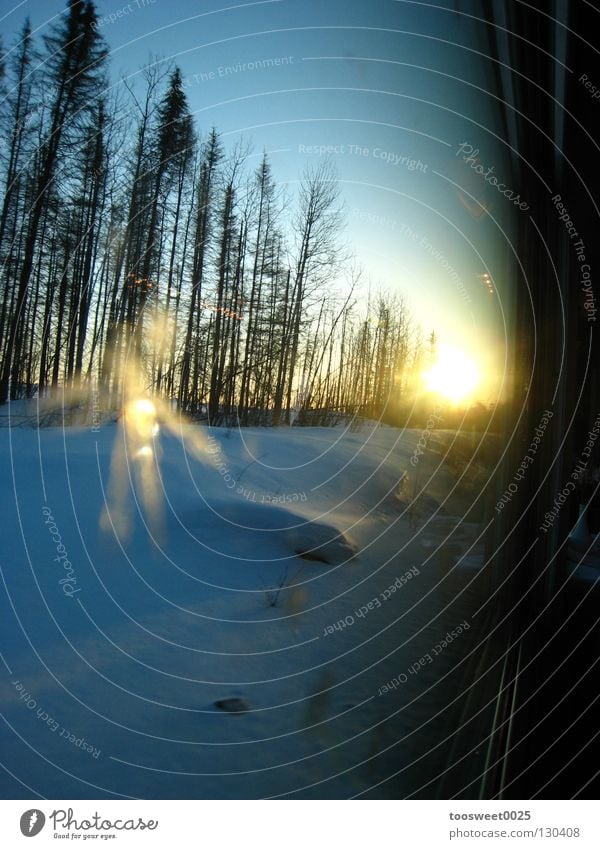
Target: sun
(453,375)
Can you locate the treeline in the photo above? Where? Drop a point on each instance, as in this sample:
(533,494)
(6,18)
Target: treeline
(129,242)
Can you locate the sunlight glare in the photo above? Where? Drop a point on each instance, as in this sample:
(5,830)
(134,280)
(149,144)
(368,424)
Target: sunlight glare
(141,417)
(453,375)
(136,456)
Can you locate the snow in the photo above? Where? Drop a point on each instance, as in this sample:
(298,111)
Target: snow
(253,565)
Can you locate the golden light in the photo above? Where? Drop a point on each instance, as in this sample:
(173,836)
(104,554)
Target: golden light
(141,418)
(136,455)
(453,375)
(144,406)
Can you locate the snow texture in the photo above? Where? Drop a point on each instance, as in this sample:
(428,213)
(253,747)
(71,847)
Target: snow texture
(230,636)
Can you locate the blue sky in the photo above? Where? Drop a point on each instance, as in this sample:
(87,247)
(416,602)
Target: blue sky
(379,84)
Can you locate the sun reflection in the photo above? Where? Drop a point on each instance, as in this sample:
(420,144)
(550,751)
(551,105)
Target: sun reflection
(141,418)
(136,454)
(453,375)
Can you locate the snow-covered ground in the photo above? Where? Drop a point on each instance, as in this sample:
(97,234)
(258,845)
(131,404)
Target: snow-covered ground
(236,614)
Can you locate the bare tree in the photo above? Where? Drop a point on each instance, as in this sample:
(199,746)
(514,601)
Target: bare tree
(318,256)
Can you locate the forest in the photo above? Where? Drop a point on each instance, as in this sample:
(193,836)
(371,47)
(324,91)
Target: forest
(133,241)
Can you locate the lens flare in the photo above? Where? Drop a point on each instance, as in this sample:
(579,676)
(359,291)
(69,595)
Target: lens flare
(136,455)
(132,464)
(141,418)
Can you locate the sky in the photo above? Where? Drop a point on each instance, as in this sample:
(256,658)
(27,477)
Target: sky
(389,90)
